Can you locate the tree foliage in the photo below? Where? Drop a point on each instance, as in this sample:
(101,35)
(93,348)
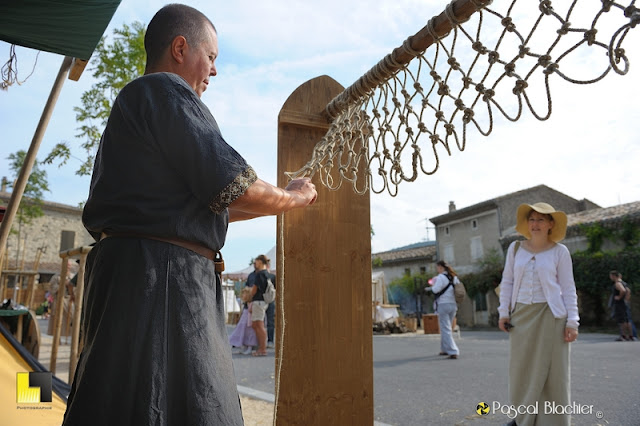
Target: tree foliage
(115,63)
(487,276)
(32,199)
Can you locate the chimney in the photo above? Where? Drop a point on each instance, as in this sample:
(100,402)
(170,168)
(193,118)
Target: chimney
(452,206)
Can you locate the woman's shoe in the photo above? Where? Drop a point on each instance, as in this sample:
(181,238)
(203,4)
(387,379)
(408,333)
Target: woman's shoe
(443,353)
(453,356)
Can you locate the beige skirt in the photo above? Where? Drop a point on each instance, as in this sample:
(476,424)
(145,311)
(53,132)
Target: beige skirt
(539,369)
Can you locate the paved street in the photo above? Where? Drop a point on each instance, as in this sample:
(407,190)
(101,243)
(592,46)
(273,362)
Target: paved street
(415,386)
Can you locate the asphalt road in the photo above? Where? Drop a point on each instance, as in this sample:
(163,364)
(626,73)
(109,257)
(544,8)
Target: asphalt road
(415,386)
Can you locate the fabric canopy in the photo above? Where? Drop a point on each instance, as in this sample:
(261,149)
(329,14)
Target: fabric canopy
(68,27)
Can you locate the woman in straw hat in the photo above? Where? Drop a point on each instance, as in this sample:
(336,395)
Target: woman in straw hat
(539,310)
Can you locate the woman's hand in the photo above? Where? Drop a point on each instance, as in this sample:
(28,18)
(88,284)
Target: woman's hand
(502,322)
(570,334)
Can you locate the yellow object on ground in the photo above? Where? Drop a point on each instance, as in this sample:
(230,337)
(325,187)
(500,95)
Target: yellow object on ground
(29,395)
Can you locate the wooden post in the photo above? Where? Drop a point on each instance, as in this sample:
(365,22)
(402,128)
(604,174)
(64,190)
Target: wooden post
(77,315)
(324,360)
(58,315)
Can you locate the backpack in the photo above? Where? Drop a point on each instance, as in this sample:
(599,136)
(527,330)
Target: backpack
(459,292)
(270,293)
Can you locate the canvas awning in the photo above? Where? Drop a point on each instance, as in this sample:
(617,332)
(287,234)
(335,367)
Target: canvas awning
(67,27)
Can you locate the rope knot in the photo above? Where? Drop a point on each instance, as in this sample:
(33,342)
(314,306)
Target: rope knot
(523,51)
(546,7)
(422,127)
(435,76)
(544,60)
(443,90)
(564,29)
(633,13)
(466,81)
(450,128)
(459,104)
(479,47)
(493,57)
(510,68)
(453,63)
(508,24)
(440,115)
(488,95)
(606,5)
(551,68)
(468,115)
(520,86)
(590,36)
(480,88)
(434,138)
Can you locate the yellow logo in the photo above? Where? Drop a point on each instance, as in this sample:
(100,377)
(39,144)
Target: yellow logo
(33,388)
(482,408)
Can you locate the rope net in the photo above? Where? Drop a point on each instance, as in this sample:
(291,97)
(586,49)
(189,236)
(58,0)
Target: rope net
(396,120)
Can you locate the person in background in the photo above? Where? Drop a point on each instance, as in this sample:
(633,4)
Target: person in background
(258,305)
(621,309)
(446,307)
(271,312)
(243,336)
(539,310)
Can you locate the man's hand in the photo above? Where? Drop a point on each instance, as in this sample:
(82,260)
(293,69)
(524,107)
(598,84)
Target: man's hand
(304,188)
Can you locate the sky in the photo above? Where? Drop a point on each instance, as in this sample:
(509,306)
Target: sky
(587,149)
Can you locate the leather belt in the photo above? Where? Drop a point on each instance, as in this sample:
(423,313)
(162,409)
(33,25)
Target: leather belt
(214,256)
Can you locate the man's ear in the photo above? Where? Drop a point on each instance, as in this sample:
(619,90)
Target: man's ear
(179,47)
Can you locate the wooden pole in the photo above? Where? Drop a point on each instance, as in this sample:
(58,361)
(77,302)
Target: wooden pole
(77,316)
(324,359)
(25,171)
(58,315)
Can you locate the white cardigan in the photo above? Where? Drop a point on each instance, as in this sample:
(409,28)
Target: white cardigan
(555,271)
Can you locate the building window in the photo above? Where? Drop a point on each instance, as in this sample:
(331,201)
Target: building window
(474,224)
(423,270)
(407,272)
(476,248)
(448,255)
(446,230)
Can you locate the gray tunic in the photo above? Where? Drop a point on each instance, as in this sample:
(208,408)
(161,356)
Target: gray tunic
(156,350)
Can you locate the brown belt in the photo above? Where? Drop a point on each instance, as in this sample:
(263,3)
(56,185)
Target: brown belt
(214,256)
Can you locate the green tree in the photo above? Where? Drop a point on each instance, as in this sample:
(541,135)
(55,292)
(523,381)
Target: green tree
(31,205)
(114,65)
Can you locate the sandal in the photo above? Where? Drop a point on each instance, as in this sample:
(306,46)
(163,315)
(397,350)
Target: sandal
(256,353)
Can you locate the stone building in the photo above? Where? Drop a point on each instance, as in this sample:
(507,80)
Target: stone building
(60,228)
(417,258)
(464,235)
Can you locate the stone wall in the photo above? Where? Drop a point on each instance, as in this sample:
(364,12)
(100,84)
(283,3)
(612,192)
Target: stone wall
(44,234)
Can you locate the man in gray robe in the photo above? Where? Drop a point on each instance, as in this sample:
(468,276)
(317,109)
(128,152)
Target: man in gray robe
(164,188)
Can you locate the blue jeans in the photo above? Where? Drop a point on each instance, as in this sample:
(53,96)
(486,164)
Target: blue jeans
(271,323)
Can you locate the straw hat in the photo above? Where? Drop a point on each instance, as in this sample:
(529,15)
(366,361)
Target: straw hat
(559,229)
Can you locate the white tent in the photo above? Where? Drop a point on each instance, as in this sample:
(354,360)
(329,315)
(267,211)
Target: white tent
(242,274)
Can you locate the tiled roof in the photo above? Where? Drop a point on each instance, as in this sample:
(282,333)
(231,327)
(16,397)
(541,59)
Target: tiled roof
(421,250)
(606,216)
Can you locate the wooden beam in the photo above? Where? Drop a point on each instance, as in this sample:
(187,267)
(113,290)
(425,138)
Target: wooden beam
(324,357)
(77,68)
